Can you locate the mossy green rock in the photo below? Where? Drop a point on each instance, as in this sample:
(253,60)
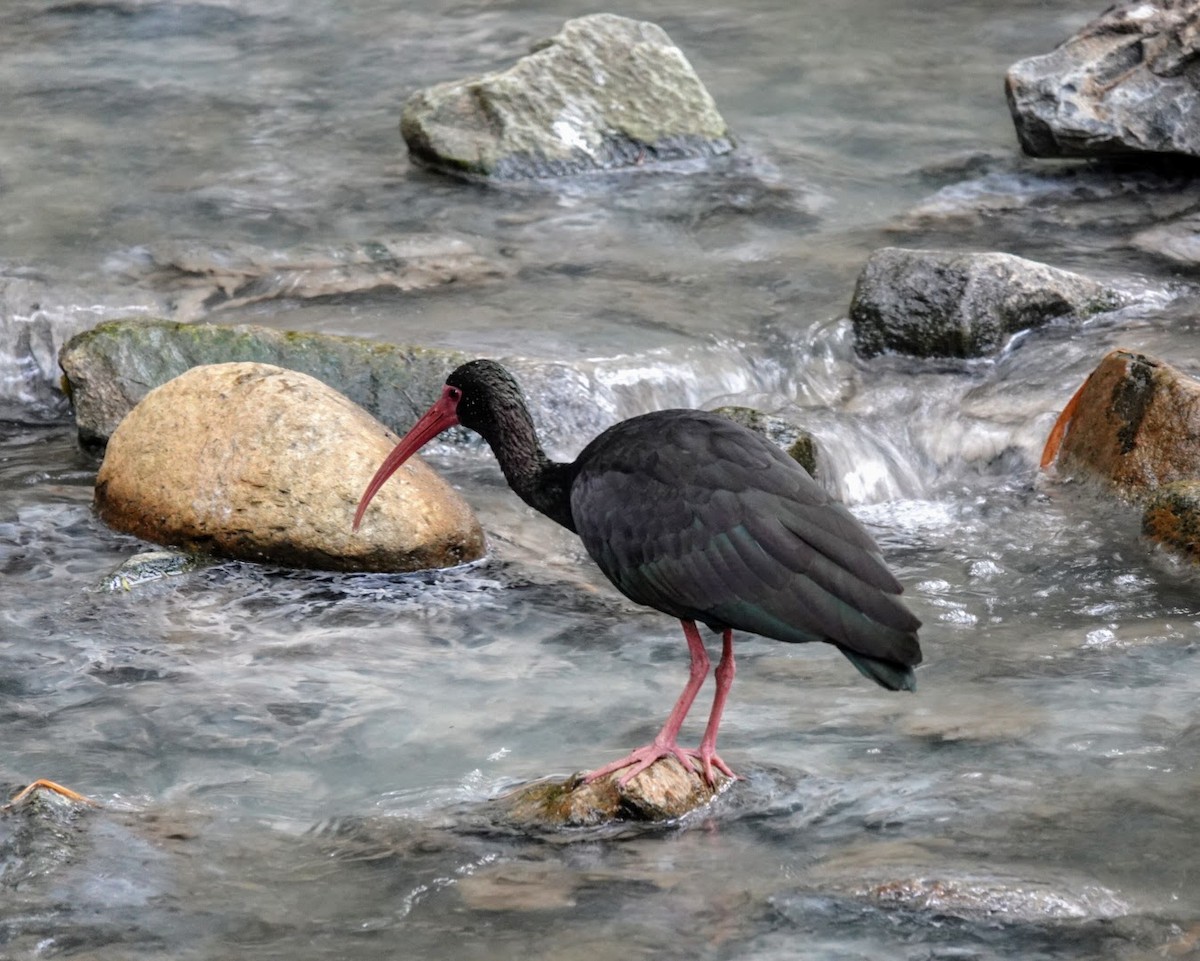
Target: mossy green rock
(114,365)
(796,442)
(606,92)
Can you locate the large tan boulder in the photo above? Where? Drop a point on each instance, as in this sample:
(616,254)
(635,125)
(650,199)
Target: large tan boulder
(258,463)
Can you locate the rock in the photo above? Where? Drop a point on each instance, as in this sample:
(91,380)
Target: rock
(606,92)
(113,366)
(798,443)
(1134,424)
(257,463)
(933,303)
(922,876)
(1172,517)
(145,568)
(36,318)
(1177,240)
(203,278)
(1125,84)
(662,792)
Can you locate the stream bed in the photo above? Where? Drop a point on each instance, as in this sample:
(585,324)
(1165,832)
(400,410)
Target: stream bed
(299,764)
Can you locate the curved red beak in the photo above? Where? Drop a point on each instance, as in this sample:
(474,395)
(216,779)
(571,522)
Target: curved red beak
(442,415)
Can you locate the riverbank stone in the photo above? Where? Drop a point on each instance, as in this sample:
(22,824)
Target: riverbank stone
(253,462)
(1123,85)
(605,93)
(948,304)
(111,367)
(1134,424)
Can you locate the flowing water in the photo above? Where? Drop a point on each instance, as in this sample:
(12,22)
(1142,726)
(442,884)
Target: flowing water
(294,764)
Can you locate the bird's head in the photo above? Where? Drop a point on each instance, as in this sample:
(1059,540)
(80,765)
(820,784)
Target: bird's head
(471,397)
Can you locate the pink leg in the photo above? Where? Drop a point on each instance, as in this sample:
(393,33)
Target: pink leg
(666,741)
(707,755)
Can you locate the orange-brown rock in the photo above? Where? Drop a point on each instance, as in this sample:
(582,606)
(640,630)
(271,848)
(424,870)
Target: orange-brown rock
(1135,424)
(258,463)
(1172,517)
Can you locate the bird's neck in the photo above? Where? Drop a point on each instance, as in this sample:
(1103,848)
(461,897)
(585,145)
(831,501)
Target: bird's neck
(543,484)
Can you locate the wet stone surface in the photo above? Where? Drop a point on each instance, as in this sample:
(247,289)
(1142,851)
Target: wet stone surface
(604,93)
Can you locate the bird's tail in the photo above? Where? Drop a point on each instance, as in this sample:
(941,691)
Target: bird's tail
(889,674)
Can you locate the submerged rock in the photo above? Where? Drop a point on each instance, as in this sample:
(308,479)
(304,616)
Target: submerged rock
(1134,424)
(257,463)
(921,877)
(606,92)
(662,792)
(1177,240)
(1124,84)
(798,443)
(203,278)
(114,365)
(147,567)
(933,303)
(1172,517)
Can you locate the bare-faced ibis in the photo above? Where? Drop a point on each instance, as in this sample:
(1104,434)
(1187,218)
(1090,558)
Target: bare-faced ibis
(700,518)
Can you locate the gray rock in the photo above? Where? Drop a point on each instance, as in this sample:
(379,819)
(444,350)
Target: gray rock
(1125,84)
(606,92)
(113,366)
(253,462)
(931,303)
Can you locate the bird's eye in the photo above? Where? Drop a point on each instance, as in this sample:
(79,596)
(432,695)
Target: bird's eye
(454,394)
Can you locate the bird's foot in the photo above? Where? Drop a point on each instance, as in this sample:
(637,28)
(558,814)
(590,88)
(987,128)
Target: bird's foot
(641,758)
(637,760)
(709,760)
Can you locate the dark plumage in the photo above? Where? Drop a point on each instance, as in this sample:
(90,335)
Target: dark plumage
(695,516)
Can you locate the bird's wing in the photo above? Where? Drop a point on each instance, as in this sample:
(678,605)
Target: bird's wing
(702,519)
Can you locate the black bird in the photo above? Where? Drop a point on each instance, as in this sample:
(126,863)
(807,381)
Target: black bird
(693,515)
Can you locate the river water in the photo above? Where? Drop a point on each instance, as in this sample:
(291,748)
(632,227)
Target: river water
(295,764)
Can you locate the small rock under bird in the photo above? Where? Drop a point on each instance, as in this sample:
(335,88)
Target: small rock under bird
(695,516)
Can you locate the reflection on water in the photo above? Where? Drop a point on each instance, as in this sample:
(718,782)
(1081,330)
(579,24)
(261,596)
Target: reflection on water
(299,764)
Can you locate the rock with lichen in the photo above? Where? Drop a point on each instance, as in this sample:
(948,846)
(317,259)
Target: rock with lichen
(604,93)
